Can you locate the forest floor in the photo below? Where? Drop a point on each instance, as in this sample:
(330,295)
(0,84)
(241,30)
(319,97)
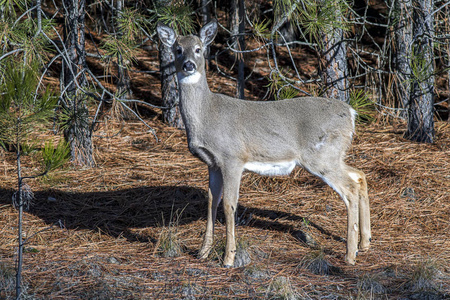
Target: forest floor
(130,228)
(106,232)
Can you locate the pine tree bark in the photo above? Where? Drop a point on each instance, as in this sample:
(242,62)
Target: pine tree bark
(206,17)
(169,88)
(78,130)
(334,62)
(238,42)
(403,41)
(421,105)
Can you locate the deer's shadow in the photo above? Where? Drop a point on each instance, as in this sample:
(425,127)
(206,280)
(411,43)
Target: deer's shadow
(115,212)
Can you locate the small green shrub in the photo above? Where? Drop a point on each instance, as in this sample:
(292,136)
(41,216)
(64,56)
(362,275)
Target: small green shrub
(317,263)
(281,288)
(423,276)
(364,106)
(169,244)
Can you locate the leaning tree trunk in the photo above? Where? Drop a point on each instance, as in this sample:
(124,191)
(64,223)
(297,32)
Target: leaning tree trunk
(78,128)
(238,30)
(334,61)
(420,111)
(403,40)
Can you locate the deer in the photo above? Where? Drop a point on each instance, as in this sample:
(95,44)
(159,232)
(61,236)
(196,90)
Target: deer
(269,138)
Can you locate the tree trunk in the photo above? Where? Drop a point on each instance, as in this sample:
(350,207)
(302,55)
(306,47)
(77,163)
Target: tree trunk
(123,79)
(78,130)
(421,110)
(206,17)
(206,14)
(403,41)
(447,10)
(334,62)
(238,42)
(169,88)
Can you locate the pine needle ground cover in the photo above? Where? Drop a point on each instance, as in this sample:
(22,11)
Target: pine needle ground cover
(101,233)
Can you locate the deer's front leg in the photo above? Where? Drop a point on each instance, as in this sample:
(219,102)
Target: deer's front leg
(214,197)
(232,180)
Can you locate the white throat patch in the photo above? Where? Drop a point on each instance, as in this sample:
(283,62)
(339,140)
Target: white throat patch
(189,79)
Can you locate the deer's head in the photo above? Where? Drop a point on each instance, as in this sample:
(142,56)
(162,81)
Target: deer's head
(189,51)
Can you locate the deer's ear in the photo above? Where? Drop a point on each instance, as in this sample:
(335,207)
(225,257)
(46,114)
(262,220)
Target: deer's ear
(208,32)
(166,34)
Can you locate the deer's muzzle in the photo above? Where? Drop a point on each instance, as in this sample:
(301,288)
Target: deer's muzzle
(189,67)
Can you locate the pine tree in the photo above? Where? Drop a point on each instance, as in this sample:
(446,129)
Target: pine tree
(22,112)
(402,21)
(421,103)
(120,48)
(77,122)
(334,50)
(324,24)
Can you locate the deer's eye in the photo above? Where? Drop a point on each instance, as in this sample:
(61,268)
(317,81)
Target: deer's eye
(179,50)
(197,50)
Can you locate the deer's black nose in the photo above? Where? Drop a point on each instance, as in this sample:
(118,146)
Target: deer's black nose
(189,66)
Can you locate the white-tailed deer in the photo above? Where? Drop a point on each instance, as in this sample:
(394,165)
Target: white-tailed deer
(267,137)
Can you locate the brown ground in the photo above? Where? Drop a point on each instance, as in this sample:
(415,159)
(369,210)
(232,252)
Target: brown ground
(96,233)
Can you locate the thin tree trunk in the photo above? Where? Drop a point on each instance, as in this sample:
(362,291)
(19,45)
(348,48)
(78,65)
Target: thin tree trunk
(206,17)
(403,41)
(447,10)
(421,110)
(206,14)
(334,62)
(238,42)
(78,130)
(123,79)
(19,226)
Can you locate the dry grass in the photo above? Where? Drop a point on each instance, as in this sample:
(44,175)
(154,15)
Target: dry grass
(94,233)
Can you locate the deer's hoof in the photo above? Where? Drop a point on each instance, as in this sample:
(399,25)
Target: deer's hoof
(204,253)
(364,245)
(363,248)
(350,261)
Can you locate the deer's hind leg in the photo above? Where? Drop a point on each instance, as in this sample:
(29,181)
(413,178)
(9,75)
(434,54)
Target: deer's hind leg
(364,208)
(351,185)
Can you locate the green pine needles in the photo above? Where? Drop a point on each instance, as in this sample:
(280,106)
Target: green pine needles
(21,108)
(364,106)
(121,47)
(314,17)
(23,112)
(178,15)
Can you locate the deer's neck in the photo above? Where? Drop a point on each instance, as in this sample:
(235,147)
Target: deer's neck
(195,100)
